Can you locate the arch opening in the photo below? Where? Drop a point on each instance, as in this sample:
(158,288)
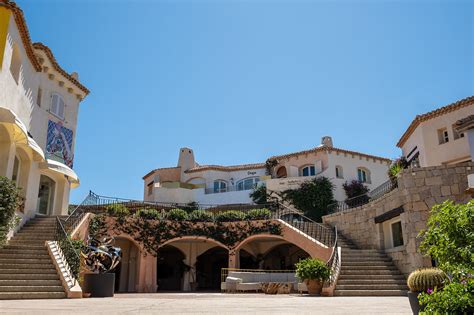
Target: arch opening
(170,268)
(127,272)
(208,268)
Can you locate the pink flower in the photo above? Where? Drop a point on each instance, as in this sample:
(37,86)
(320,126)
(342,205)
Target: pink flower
(429,291)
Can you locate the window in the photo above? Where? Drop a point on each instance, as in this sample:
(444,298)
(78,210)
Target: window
(309,170)
(443,136)
(220,186)
(457,135)
(16,170)
(339,173)
(57,105)
(15,63)
(397,235)
(247,183)
(363,175)
(150,188)
(39,95)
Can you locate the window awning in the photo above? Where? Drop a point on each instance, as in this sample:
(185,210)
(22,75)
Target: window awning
(63,169)
(20,133)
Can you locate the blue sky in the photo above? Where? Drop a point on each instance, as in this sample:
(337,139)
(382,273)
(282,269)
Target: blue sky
(239,81)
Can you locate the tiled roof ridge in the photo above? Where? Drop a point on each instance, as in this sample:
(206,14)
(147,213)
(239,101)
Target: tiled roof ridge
(226,168)
(326,148)
(158,169)
(29,46)
(433,114)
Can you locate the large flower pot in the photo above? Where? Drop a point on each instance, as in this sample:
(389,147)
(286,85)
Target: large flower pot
(99,284)
(314,286)
(414,302)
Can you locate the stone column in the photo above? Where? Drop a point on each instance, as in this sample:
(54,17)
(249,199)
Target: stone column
(234,258)
(147,274)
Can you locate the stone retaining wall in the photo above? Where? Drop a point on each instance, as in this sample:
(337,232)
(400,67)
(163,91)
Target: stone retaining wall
(418,190)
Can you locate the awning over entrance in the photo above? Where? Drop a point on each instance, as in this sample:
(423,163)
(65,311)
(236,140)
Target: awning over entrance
(20,133)
(63,169)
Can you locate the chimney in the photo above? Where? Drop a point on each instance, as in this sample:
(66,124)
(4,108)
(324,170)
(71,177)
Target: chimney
(75,75)
(326,141)
(186,159)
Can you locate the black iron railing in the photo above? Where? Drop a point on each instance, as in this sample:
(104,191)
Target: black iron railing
(334,263)
(70,254)
(361,200)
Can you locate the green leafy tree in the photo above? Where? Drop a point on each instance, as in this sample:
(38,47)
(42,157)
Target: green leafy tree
(9,201)
(259,195)
(312,197)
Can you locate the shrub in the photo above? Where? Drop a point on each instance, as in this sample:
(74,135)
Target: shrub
(312,269)
(201,216)
(148,214)
(449,237)
(423,279)
(312,197)
(259,195)
(9,201)
(397,166)
(230,216)
(117,210)
(258,214)
(356,193)
(177,215)
(454,298)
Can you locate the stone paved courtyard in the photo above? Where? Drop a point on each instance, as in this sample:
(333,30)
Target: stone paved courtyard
(210,303)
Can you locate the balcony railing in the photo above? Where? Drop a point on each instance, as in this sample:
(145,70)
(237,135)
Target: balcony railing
(361,200)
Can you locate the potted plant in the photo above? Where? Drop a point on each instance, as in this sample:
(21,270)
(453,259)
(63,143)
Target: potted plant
(101,258)
(424,280)
(313,272)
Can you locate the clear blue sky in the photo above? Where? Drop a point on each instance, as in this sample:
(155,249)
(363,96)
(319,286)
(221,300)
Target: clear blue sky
(239,81)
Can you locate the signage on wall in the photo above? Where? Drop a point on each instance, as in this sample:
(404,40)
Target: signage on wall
(59,143)
(251,173)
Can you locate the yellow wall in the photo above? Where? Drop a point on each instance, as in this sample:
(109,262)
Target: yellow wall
(4,21)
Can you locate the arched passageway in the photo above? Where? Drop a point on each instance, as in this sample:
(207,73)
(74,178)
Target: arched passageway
(170,268)
(127,272)
(208,268)
(270,254)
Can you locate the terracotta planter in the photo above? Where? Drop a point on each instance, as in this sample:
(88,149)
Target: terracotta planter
(314,286)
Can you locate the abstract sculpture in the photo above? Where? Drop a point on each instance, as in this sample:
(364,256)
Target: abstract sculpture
(101,256)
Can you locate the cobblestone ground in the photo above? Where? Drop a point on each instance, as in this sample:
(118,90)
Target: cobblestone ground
(210,303)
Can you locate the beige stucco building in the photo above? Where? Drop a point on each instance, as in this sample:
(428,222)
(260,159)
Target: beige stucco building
(216,184)
(39,104)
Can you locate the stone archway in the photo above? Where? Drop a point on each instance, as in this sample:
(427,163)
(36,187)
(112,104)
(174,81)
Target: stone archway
(127,272)
(208,268)
(170,268)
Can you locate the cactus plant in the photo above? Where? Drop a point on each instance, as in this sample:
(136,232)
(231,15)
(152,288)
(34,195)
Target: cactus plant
(423,279)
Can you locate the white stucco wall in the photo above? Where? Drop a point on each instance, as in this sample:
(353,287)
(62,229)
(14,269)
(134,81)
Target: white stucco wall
(426,138)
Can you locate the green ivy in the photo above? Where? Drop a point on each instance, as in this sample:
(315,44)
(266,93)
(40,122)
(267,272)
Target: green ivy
(9,202)
(153,233)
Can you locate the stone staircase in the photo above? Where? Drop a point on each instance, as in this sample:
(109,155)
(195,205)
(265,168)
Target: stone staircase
(367,272)
(26,269)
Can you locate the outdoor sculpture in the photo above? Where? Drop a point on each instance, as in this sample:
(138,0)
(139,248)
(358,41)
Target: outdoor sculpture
(101,256)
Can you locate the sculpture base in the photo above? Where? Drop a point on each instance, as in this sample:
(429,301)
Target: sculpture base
(99,284)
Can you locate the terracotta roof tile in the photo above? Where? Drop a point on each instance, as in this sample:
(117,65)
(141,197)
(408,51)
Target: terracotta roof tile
(29,46)
(433,114)
(226,168)
(158,169)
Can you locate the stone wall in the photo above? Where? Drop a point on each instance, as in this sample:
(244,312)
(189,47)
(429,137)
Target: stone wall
(418,190)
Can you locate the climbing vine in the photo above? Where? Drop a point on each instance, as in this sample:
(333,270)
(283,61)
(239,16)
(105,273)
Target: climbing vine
(153,233)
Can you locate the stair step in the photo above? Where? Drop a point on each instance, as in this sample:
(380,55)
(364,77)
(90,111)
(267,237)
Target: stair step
(362,260)
(372,287)
(25,260)
(368,267)
(27,242)
(48,265)
(370,292)
(31,295)
(19,255)
(32,288)
(13,251)
(27,271)
(371,281)
(29,282)
(369,272)
(29,276)
(24,247)
(359,276)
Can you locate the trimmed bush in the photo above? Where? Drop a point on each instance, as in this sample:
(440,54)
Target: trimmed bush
(258,214)
(9,200)
(201,216)
(423,279)
(177,215)
(117,210)
(312,269)
(148,214)
(230,216)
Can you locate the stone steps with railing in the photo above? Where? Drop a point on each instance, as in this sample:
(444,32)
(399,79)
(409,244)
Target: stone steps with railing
(26,269)
(368,272)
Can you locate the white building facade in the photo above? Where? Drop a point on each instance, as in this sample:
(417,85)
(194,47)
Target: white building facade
(217,185)
(39,104)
